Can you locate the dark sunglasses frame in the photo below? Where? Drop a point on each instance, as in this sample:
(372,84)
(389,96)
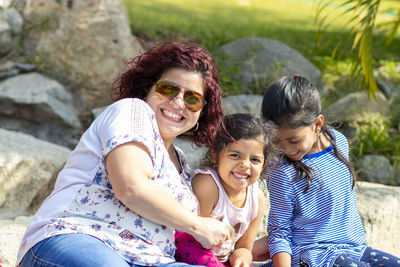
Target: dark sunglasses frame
(176,89)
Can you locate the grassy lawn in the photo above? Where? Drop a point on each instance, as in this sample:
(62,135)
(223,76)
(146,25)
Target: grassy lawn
(213,23)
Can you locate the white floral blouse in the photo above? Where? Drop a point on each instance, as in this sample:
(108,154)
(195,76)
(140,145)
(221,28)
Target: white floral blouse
(93,209)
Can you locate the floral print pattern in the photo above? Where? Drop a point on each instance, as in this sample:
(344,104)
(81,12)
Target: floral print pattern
(96,211)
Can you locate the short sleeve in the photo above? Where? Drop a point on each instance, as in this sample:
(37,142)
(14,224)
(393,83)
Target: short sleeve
(128,120)
(341,143)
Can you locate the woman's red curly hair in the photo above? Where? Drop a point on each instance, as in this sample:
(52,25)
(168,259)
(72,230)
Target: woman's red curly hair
(145,69)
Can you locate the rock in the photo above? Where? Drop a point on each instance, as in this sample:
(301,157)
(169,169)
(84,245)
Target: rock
(14,19)
(5,3)
(194,155)
(37,105)
(11,233)
(379,208)
(83,42)
(6,44)
(242,104)
(27,168)
(261,61)
(377,169)
(355,105)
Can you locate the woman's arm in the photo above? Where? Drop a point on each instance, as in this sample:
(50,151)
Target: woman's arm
(130,170)
(242,256)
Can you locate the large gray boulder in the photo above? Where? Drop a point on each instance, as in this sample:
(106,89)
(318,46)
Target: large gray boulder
(83,42)
(377,169)
(242,104)
(4,3)
(379,207)
(28,167)
(14,20)
(355,105)
(260,61)
(37,105)
(6,44)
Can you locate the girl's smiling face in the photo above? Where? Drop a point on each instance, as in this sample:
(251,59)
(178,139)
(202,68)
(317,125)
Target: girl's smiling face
(240,164)
(301,141)
(297,142)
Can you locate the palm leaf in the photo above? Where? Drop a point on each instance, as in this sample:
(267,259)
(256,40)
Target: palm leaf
(363,17)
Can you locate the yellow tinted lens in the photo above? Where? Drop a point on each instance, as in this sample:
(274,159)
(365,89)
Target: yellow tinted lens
(166,89)
(193,101)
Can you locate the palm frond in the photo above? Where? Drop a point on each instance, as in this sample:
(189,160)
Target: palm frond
(362,17)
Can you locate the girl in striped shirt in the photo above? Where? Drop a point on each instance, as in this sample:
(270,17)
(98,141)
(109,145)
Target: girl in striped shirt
(313,219)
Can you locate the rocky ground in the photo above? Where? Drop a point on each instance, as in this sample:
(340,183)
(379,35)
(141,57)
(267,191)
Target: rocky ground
(11,232)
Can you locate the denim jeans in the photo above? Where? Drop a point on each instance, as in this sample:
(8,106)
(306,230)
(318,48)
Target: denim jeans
(371,257)
(77,250)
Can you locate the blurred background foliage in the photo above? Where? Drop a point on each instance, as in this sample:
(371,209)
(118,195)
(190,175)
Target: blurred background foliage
(352,42)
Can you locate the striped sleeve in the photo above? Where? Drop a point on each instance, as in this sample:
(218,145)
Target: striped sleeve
(281,211)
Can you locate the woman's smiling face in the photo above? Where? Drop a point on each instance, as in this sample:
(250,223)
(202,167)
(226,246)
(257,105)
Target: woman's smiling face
(173,118)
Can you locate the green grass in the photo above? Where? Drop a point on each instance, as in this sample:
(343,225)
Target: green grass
(213,23)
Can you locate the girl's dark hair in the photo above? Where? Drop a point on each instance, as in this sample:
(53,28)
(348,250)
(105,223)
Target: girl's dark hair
(242,126)
(293,101)
(145,69)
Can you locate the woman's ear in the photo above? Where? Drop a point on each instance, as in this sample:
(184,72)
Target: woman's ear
(319,123)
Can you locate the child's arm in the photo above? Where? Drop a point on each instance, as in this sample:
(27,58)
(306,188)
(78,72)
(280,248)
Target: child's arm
(206,191)
(260,249)
(241,256)
(282,259)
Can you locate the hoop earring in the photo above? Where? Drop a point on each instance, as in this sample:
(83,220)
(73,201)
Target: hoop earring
(197,127)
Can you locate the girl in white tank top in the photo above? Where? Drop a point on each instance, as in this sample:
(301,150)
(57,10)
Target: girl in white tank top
(227,189)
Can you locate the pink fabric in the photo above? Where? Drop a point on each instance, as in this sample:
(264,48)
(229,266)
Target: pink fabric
(190,251)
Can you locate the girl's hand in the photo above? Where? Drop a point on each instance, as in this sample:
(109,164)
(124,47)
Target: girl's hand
(241,263)
(211,232)
(240,257)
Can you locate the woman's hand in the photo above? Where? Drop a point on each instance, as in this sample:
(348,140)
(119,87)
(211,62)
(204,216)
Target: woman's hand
(211,232)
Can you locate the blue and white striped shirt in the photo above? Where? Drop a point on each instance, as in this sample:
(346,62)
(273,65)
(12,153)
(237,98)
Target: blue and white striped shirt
(317,226)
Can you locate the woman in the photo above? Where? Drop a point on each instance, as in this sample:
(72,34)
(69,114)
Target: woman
(125,187)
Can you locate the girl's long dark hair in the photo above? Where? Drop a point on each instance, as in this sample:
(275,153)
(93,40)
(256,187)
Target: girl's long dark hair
(293,101)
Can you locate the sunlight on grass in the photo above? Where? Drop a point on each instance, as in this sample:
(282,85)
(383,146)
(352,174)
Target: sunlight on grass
(213,23)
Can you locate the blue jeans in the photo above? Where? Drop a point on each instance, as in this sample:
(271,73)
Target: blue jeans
(371,257)
(77,250)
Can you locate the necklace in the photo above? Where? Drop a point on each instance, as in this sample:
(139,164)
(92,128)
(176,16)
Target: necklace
(173,155)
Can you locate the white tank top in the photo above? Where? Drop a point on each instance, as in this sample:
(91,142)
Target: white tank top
(238,218)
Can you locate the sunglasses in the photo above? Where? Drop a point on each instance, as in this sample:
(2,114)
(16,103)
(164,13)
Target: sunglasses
(193,100)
